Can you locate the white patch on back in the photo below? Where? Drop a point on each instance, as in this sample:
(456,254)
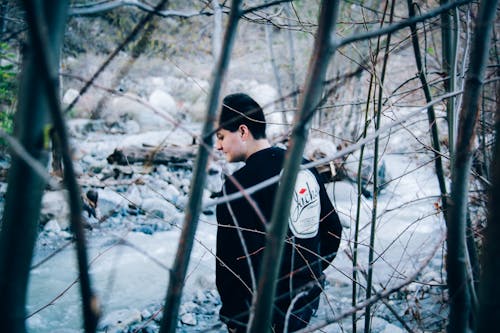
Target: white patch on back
(306,208)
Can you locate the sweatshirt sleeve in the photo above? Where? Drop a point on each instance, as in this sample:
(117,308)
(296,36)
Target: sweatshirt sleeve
(330,229)
(232,292)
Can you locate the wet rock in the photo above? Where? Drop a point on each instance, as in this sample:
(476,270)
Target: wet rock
(70,95)
(189,319)
(52,226)
(55,207)
(126,108)
(110,202)
(390,328)
(145,229)
(144,328)
(162,100)
(158,208)
(119,320)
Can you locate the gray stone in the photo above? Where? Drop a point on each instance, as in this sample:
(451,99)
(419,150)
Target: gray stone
(162,100)
(55,207)
(189,319)
(159,208)
(119,320)
(109,202)
(390,328)
(52,226)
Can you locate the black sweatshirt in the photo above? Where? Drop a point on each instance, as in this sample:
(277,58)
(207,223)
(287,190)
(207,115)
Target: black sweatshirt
(301,264)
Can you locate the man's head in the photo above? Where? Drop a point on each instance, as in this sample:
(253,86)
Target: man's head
(240,109)
(242,128)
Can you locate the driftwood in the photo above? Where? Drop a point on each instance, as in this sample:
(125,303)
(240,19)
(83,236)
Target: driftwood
(174,156)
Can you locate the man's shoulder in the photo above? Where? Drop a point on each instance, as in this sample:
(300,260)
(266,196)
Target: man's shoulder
(265,164)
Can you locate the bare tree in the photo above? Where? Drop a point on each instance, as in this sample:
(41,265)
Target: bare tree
(489,294)
(179,269)
(22,208)
(460,294)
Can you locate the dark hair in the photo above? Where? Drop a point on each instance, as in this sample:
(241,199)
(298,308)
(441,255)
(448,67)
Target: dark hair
(240,109)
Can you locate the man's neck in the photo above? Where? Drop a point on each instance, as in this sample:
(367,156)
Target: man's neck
(257,145)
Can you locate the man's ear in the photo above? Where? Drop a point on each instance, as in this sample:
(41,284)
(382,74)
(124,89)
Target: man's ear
(244,131)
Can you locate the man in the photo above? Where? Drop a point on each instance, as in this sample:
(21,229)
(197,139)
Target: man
(314,228)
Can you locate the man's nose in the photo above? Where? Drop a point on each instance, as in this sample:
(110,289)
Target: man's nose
(218,146)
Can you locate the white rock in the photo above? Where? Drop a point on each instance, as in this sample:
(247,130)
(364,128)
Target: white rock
(390,328)
(378,324)
(189,319)
(173,192)
(134,195)
(148,119)
(65,235)
(214,181)
(319,147)
(52,226)
(120,319)
(167,191)
(55,206)
(70,95)
(163,101)
(189,307)
(132,127)
(109,201)
(157,81)
(158,205)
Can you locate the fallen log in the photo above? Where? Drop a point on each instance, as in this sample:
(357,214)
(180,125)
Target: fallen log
(173,156)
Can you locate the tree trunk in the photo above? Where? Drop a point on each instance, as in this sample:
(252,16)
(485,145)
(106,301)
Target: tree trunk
(378,112)
(355,245)
(217,34)
(448,41)
(25,190)
(291,60)
(3,18)
(323,50)
(179,269)
(489,290)
(49,61)
(460,300)
(431,115)
(270,49)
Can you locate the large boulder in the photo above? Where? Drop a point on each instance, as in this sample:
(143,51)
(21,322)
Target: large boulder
(163,101)
(55,208)
(122,108)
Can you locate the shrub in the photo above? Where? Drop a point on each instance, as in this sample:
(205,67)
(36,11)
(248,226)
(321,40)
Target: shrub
(8,88)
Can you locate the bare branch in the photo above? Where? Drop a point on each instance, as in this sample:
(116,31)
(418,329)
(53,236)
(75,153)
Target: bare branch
(398,26)
(263,6)
(107,5)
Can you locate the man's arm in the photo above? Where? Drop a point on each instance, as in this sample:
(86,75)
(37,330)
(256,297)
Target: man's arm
(330,229)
